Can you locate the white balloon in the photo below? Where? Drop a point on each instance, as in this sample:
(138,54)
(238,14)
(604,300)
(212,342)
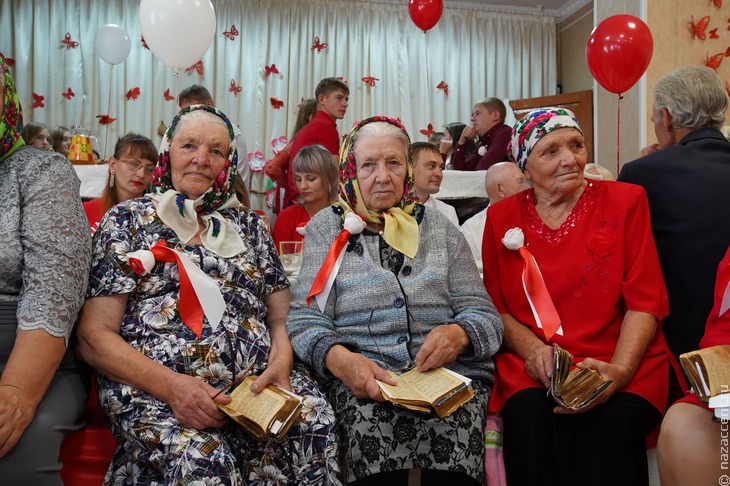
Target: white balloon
(178,32)
(112,43)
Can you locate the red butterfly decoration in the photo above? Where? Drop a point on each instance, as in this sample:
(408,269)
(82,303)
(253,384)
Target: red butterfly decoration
(234,88)
(144,43)
(698,28)
(442,85)
(727,88)
(70,44)
(8,60)
(68,94)
(198,66)
(300,102)
(231,34)
(718,3)
(713,34)
(276,103)
(714,61)
(319,46)
(271,70)
(428,131)
(168,96)
(105,119)
(342,78)
(369,80)
(727,52)
(132,94)
(38,101)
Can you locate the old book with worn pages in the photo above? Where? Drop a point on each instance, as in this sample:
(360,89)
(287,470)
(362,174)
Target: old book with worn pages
(440,390)
(575,388)
(267,415)
(708,371)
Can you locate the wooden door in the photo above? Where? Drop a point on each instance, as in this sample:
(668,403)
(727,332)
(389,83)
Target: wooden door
(579,102)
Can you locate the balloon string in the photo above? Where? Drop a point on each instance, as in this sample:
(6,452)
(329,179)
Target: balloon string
(428,83)
(108,110)
(177,91)
(618,132)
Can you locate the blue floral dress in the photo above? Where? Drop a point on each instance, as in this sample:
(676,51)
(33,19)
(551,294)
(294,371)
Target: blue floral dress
(153,447)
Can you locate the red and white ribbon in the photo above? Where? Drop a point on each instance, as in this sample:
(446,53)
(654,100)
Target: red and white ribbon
(543,309)
(320,290)
(199,294)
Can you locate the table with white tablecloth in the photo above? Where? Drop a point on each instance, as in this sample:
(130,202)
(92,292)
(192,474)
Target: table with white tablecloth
(462,184)
(465,191)
(93,179)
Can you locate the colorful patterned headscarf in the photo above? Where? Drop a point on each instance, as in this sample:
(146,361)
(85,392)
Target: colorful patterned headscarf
(11,123)
(535,125)
(401,229)
(181,214)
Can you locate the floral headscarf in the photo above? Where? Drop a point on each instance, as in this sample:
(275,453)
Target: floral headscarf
(181,213)
(535,125)
(401,229)
(11,123)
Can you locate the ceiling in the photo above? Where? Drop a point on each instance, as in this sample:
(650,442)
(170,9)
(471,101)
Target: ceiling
(549,6)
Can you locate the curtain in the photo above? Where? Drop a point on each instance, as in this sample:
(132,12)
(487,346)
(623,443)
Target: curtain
(476,52)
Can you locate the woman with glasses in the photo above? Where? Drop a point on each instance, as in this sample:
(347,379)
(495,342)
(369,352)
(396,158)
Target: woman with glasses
(130,174)
(387,284)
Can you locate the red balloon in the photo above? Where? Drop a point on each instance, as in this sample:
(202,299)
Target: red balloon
(425,13)
(619,51)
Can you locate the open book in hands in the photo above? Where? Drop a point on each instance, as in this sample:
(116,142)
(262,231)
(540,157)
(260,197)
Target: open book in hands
(574,388)
(439,389)
(708,371)
(267,415)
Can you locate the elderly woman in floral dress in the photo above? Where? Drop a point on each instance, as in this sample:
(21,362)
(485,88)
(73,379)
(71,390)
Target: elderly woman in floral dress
(164,348)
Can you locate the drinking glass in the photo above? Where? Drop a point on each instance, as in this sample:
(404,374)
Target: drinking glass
(291,256)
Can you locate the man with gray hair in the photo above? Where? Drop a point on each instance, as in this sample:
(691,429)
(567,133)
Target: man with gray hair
(686,175)
(503,179)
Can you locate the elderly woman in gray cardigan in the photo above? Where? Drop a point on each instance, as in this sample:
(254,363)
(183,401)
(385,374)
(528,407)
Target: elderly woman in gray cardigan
(387,284)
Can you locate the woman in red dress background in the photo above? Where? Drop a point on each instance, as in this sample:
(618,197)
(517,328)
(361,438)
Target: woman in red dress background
(593,245)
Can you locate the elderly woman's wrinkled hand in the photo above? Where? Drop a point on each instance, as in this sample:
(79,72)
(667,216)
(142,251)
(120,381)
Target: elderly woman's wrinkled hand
(539,364)
(618,373)
(443,344)
(277,372)
(358,373)
(16,413)
(192,402)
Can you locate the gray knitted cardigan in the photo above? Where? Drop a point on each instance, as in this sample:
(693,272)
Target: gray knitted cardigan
(441,285)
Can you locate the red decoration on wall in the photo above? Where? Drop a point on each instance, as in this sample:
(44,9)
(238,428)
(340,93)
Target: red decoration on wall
(38,101)
(198,66)
(727,88)
(231,34)
(144,44)
(369,80)
(714,61)
(300,102)
(698,28)
(319,46)
(727,52)
(442,85)
(428,131)
(132,94)
(718,3)
(8,60)
(234,88)
(342,78)
(70,44)
(68,94)
(168,96)
(276,103)
(105,119)
(271,70)
(713,34)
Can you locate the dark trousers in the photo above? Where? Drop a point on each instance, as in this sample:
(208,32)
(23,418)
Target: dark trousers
(604,446)
(429,477)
